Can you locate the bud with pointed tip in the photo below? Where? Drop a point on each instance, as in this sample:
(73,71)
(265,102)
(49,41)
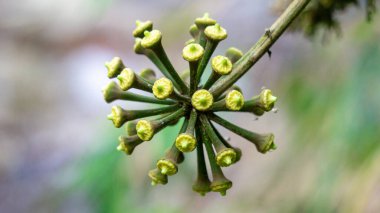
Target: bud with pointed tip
(112,92)
(146,129)
(221,65)
(128,79)
(119,116)
(168,164)
(162,88)
(194,31)
(215,33)
(234,100)
(267,99)
(201,23)
(186,141)
(202,100)
(225,156)
(141,27)
(192,52)
(151,39)
(263,142)
(128,144)
(114,67)
(204,21)
(157,177)
(261,103)
(219,183)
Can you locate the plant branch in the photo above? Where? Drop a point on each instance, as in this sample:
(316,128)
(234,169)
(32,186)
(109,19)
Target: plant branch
(260,48)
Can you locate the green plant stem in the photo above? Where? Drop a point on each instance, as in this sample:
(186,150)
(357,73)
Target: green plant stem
(260,48)
(210,133)
(193,76)
(129,96)
(209,49)
(136,114)
(161,54)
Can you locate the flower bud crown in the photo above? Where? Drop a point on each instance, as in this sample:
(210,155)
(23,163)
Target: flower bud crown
(182,95)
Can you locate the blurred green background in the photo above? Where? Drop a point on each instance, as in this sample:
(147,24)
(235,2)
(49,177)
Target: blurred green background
(57,150)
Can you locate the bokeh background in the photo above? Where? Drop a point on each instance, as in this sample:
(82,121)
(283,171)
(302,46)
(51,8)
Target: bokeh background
(57,149)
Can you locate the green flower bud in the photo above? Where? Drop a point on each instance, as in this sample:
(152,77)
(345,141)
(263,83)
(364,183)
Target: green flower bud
(111,92)
(128,144)
(221,185)
(221,65)
(263,142)
(151,39)
(234,100)
(145,130)
(192,52)
(117,116)
(114,67)
(141,27)
(162,88)
(215,33)
(267,99)
(204,21)
(194,31)
(185,142)
(126,79)
(157,177)
(226,157)
(202,100)
(234,54)
(167,167)
(138,48)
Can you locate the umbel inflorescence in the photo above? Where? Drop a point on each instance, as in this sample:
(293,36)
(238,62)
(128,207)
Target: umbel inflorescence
(184,96)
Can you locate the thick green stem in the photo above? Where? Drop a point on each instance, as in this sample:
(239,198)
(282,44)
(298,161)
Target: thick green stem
(260,48)
(129,96)
(193,76)
(209,49)
(160,52)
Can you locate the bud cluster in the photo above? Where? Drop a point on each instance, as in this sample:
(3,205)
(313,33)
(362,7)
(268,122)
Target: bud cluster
(178,97)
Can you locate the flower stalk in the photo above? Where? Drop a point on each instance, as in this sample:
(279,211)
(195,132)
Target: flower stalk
(185,97)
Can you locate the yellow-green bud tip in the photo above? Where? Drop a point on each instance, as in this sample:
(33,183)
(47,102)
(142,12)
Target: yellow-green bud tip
(267,99)
(144,130)
(192,52)
(116,116)
(167,167)
(268,144)
(185,142)
(111,92)
(221,186)
(215,32)
(205,20)
(141,27)
(162,88)
(126,78)
(221,65)
(157,178)
(234,100)
(151,38)
(202,100)
(114,67)
(226,157)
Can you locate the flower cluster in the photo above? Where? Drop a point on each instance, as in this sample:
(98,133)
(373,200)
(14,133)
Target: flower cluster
(184,96)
